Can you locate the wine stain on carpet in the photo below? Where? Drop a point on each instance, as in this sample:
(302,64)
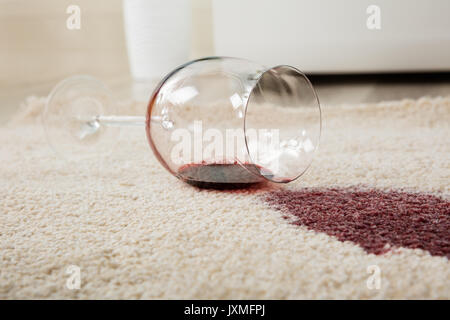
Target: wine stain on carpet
(373,219)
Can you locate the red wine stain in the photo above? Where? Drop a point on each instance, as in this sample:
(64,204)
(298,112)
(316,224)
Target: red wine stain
(373,219)
(223,176)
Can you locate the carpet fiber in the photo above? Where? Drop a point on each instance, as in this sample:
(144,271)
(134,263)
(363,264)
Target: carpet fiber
(368,220)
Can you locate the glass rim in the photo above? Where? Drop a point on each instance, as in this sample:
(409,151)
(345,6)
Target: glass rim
(316,97)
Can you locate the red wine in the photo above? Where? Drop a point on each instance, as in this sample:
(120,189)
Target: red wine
(221,176)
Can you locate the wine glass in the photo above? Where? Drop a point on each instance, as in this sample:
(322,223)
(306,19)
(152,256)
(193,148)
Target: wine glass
(215,122)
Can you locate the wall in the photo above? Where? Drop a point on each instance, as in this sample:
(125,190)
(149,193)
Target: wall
(37,48)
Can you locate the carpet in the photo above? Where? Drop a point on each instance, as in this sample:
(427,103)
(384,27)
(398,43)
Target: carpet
(369,220)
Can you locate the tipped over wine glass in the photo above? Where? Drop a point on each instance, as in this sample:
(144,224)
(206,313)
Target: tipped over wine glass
(215,122)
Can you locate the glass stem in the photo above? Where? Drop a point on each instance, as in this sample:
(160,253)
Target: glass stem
(90,125)
(119,121)
(122,121)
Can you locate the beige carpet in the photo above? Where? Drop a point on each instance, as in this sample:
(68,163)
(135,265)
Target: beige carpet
(137,232)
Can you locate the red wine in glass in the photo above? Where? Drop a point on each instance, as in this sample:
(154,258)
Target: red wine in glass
(222,176)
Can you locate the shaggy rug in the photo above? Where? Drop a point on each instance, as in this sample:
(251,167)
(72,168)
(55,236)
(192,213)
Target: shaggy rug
(370,219)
